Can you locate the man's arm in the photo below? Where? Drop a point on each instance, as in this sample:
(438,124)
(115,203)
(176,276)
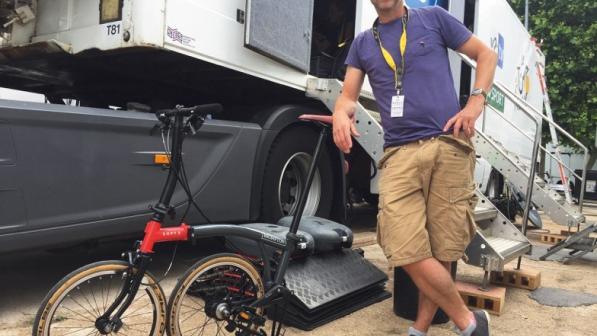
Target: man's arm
(486,63)
(345,109)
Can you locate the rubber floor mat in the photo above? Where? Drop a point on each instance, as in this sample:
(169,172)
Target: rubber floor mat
(329,286)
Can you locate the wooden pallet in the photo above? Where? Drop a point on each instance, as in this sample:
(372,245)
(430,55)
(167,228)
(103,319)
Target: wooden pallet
(551,238)
(492,300)
(568,233)
(524,278)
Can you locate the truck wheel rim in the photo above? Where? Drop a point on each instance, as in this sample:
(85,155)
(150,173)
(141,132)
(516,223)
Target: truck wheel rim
(291,184)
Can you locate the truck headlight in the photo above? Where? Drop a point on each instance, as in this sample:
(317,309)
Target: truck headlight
(110,10)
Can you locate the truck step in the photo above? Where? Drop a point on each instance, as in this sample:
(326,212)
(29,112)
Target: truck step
(507,248)
(482,214)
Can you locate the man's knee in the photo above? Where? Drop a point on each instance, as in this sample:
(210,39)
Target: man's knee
(417,267)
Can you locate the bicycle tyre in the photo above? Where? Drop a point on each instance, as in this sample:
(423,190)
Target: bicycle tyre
(111,270)
(230,261)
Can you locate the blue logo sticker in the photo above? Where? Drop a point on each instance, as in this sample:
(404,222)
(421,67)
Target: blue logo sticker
(421,3)
(500,51)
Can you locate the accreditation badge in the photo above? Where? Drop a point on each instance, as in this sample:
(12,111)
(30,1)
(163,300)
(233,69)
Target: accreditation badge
(397,107)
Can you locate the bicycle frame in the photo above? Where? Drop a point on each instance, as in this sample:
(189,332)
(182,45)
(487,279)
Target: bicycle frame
(155,233)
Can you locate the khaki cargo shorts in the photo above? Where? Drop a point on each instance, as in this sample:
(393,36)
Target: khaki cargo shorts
(426,200)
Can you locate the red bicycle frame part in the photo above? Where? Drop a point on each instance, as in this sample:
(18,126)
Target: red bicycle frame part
(154,233)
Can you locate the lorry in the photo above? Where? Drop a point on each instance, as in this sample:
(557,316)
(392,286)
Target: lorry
(88,170)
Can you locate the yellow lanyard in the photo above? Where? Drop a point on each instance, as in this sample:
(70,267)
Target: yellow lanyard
(398,71)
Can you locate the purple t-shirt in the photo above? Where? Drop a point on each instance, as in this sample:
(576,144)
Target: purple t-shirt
(428,87)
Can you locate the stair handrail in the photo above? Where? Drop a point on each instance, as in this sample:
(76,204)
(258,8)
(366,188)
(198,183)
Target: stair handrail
(533,113)
(526,108)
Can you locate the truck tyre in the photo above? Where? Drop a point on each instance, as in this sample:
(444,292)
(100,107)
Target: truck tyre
(286,172)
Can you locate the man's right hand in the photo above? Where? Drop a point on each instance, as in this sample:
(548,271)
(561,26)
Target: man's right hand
(344,128)
(343,117)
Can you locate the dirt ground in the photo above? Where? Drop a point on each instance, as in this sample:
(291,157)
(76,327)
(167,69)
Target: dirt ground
(25,278)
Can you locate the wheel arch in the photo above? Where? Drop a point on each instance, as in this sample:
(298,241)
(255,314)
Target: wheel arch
(276,121)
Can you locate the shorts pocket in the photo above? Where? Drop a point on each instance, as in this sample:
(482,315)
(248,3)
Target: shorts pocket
(464,202)
(451,221)
(388,153)
(461,144)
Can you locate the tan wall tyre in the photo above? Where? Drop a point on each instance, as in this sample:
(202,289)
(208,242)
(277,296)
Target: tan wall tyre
(204,287)
(72,306)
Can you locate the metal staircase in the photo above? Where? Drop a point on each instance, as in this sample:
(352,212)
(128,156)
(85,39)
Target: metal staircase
(516,172)
(497,241)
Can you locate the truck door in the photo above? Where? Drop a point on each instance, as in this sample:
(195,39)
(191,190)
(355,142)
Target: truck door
(281,30)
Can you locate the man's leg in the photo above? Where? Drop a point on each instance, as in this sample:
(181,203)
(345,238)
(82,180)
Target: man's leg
(435,282)
(427,308)
(449,198)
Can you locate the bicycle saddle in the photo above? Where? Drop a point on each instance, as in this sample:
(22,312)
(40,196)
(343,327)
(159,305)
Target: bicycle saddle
(328,235)
(250,247)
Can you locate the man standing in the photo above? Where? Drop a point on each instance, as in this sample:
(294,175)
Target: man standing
(426,185)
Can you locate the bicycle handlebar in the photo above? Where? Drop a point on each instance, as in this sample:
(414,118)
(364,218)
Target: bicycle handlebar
(188,111)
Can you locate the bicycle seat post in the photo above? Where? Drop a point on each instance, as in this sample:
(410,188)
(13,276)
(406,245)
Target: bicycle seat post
(312,169)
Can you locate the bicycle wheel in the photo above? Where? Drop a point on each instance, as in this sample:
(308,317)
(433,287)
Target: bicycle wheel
(73,305)
(222,280)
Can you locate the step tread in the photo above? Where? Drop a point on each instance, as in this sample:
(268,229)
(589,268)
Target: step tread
(502,245)
(485,213)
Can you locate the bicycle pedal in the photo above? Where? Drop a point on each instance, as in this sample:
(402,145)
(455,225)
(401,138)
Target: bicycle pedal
(230,326)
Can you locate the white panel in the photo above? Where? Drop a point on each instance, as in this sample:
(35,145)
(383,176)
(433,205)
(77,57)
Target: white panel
(21,95)
(146,22)
(495,18)
(213,34)
(76,23)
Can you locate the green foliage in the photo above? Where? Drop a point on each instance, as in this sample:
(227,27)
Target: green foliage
(568,29)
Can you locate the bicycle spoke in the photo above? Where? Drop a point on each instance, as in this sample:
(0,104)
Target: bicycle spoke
(109,297)
(95,332)
(74,319)
(94,300)
(203,327)
(196,308)
(82,307)
(83,316)
(134,311)
(188,317)
(87,300)
(72,332)
(105,297)
(191,298)
(129,316)
(198,328)
(135,329)
(219,328)
(134,324)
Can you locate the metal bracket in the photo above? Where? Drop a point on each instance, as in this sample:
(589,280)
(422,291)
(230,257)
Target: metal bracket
(578,242)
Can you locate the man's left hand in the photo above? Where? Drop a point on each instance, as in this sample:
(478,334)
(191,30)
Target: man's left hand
(466,118)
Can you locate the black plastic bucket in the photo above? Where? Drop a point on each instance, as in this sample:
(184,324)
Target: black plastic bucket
(406,297)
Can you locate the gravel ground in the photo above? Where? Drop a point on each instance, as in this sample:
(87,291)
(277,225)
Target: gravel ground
(26,277)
